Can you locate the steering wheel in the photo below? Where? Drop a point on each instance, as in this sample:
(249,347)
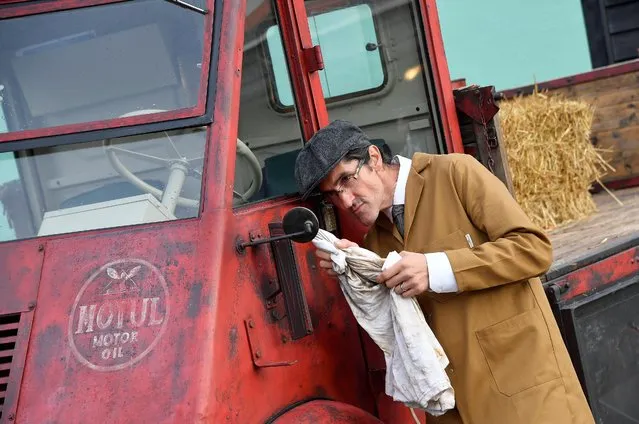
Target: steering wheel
(179,166)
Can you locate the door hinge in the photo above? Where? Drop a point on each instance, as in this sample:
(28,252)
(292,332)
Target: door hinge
(313,59)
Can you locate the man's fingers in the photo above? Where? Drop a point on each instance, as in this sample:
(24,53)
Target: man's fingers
(326,264)
(398,278)
(322,254)
(344,244)
(410,293)
(389,273)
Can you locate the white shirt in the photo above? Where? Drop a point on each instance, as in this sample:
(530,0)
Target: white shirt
(440,273)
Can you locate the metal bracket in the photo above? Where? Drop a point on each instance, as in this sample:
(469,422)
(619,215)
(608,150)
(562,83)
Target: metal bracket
(257,353)
(313,59)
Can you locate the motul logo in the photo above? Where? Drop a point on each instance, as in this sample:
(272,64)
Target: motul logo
(119,315)
(113,315)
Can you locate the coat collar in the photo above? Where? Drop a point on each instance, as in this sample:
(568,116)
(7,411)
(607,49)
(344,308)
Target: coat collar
(414,188)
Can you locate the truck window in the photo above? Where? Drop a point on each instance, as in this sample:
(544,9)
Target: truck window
(272,137)
(101,62)
(345,36)
(398,115)
(107,183)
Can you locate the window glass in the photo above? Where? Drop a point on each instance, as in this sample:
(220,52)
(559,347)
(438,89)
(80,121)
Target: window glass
(109,183)
(346,36)
(397,117)
(97,63)
(264,166)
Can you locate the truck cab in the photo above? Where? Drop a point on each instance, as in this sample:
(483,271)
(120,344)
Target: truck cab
(146,162)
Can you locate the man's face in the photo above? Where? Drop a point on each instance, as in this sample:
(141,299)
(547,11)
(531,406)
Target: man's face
(357,187)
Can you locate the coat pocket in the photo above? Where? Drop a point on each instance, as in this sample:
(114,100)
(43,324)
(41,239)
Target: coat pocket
(519,352)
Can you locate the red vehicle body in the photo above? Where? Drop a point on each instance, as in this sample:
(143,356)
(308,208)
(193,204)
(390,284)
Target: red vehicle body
(168,321)
(146,150)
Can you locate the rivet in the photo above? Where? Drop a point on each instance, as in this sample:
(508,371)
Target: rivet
(32,306)
(40,248)
(251,324)
(258,354)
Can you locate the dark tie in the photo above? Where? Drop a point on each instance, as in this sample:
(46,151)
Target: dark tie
(398,218)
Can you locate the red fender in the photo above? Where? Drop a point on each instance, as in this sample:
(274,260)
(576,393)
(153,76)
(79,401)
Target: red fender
(326,412)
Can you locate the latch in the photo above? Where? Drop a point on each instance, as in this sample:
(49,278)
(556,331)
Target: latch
(313,59)
(257,353)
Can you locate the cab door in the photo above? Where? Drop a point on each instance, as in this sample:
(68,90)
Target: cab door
(304,64)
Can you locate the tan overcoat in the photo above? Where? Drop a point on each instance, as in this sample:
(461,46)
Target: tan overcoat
(508,363)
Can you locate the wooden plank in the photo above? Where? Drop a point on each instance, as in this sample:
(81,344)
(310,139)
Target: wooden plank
(617,116)
(612,223)
(623,17)
(601,100)
(625,137)
(604,85)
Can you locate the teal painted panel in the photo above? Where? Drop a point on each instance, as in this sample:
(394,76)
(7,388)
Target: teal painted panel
(510,43)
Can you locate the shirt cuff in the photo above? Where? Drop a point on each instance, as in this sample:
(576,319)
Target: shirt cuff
(440,273)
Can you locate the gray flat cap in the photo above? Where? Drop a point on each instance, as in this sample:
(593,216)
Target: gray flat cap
(323,152)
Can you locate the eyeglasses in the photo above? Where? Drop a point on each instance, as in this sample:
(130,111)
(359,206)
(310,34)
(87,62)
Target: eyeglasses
(346,182)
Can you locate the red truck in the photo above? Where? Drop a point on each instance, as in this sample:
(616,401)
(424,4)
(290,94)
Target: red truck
(148,257)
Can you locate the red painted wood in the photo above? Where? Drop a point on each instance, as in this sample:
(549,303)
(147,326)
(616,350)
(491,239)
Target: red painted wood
(618,184)
(443,86)
(595,74)
(600,274)
(197,110)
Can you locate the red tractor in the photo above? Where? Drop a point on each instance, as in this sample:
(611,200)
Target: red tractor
(149,266)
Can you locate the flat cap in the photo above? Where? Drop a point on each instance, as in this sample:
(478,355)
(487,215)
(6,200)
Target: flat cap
(323,152)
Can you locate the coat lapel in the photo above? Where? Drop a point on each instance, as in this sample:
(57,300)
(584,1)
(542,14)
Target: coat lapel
(414,188)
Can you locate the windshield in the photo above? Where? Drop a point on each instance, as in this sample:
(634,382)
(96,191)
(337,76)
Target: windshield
(98,63)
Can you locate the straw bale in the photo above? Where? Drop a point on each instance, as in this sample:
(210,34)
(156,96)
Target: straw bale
(552,161)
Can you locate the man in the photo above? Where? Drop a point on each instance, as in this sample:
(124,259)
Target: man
(472,259)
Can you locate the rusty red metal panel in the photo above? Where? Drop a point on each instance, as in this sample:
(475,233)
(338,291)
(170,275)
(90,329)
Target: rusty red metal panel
(443,86)
(14,380)
(197,110)
(598,275)
(119,331)
(328,363)
(326,412)
(20,269)
(595,74)
(220,163)
(20,266)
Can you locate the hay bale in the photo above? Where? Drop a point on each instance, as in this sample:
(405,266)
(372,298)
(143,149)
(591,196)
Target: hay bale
(552,161)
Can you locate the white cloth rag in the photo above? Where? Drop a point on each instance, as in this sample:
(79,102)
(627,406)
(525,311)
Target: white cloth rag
(415,361)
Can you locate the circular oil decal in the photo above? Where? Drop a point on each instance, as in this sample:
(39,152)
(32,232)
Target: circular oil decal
(119,315)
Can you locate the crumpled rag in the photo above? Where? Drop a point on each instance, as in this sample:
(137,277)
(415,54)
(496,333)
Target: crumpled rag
(415,361)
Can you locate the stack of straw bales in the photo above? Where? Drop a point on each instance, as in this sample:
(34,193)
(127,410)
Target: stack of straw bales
(552,161)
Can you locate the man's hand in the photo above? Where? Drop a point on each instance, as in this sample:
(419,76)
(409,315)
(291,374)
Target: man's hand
(325,257)
(409,276)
